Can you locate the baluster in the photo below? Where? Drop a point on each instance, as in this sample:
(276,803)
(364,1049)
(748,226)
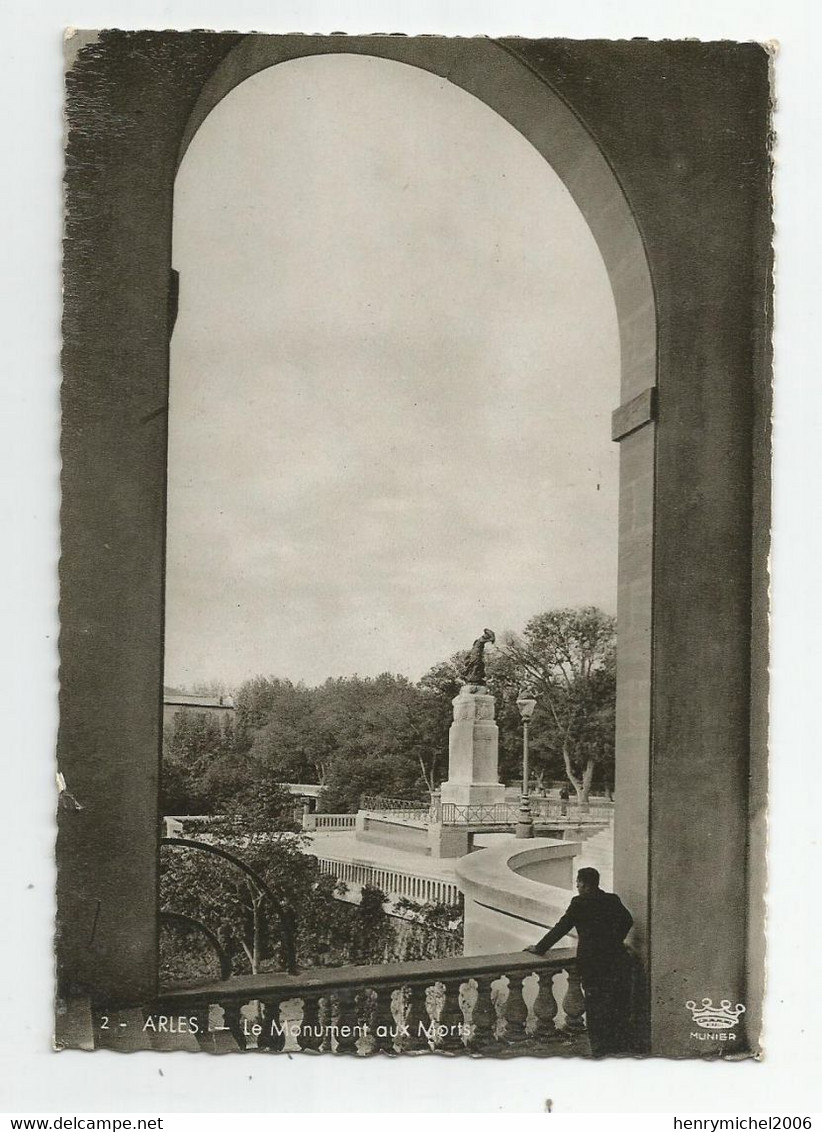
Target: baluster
(545,1009)
(326,1021)
(451,1019)
(205,1038)
(483,1035)
(308,1038)
(574,1004)
(220,1033)
(516,1012)
(233,1021)
(417,1020)
(270,1039)
(384,1025)
(347,1021)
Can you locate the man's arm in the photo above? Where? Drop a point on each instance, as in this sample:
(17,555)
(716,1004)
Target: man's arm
(560,928)
(626,920)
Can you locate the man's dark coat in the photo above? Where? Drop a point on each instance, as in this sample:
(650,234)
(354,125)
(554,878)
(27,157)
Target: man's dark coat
(602,922)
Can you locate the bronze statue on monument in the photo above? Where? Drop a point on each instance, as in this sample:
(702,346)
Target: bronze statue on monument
(473,742)
(475,666)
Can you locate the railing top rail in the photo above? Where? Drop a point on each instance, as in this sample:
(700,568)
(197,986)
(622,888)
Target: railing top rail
(280,985)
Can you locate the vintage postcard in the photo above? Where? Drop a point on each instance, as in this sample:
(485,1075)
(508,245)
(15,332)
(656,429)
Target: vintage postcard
(415,522)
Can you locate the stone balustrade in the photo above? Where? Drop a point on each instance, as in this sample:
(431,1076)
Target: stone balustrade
(480,1004)
(328,823)
(392,881)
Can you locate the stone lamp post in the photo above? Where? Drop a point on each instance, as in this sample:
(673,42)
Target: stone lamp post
(525,822)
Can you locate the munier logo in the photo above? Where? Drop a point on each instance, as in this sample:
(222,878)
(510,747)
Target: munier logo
(710,1017)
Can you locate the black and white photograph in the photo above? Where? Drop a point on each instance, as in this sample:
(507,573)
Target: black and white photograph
(415,527)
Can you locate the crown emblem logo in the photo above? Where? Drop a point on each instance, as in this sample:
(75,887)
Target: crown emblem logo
(710,1017)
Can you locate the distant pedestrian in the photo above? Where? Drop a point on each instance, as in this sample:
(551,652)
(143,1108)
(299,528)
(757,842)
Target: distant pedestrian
(602,922)
(564,795)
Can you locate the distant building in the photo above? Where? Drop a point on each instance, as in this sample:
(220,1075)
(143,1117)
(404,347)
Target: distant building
(220,708)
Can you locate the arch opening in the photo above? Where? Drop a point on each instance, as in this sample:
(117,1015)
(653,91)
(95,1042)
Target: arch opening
(396,339)
(549,133)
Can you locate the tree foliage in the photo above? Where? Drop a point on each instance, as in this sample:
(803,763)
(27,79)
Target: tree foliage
(567,657)
(193,746)
(386,735)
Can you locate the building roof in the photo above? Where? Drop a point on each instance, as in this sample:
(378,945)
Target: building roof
(174,698)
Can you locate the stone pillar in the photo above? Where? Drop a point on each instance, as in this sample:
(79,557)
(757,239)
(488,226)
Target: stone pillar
(473,749)
(120,301)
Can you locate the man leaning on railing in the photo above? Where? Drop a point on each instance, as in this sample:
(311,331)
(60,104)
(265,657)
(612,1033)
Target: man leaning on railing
(602,922)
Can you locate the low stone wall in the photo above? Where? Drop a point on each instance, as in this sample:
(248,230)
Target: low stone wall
(514,892)
(404,834)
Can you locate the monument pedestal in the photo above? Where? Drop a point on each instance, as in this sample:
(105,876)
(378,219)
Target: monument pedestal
(473,751)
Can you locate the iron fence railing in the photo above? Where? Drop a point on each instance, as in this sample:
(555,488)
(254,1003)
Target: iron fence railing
(544,810)
(499,814)
(416,809)
(551,808)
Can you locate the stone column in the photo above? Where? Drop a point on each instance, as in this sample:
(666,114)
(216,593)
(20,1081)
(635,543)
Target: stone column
(473,749)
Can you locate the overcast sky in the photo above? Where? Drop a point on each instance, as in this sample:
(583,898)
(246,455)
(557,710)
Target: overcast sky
(392,377)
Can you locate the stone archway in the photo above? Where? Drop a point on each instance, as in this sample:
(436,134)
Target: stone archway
(485,69)
(499,79)
(691,514)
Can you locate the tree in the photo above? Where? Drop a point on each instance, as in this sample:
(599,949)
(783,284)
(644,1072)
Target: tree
(374,739)
(258,830)
(257,827)
(568,658)
(439,686)
(286,738)
(429,931)
(231,775)
(177,792)
(193,744)
(254,704)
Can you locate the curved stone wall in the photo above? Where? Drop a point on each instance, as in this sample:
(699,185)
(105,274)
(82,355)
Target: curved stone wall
(514,892)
